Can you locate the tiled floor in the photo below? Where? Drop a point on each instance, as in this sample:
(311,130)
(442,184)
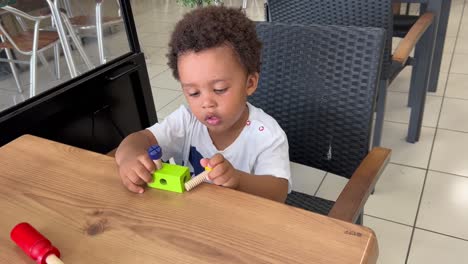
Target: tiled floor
(420,207)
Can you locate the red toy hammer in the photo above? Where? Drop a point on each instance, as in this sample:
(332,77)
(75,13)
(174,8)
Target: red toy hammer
(35,245)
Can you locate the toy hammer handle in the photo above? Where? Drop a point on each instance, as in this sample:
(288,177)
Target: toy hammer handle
(197,180)
(52,259)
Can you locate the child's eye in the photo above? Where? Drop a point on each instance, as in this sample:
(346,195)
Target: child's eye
(220,91)
(194,94)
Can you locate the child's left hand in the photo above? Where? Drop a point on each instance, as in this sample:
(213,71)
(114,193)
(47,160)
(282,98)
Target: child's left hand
(222,172)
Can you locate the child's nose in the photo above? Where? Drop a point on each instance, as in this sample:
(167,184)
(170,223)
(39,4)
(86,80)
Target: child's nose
(208,102)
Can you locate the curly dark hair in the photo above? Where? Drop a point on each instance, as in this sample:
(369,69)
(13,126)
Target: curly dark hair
(213,26)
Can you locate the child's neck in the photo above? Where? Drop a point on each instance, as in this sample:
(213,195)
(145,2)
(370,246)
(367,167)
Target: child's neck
(222,140)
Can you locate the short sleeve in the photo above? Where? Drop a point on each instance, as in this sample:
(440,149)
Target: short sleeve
(171,133)
(273,158)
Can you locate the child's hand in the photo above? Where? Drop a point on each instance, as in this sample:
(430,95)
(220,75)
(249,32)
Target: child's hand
(222,172)
(136,172)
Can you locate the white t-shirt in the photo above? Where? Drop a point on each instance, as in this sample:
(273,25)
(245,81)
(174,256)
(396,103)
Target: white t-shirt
(260,149)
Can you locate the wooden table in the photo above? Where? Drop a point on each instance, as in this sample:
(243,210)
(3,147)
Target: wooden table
(75,198)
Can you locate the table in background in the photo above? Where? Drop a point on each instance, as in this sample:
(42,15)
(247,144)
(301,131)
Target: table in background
(75,198)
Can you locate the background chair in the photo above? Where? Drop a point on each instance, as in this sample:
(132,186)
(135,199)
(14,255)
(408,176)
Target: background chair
(28,42)
(367,13)
(96,21)
(320,84)
(34,42)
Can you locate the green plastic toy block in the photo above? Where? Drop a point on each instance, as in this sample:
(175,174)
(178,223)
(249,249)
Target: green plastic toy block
(171,178)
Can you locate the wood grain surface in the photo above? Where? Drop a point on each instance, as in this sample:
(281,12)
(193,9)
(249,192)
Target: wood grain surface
(75,198)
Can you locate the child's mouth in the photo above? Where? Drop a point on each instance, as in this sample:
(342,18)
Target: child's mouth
(213,120)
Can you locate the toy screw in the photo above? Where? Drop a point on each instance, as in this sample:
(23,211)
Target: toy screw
(197,180)
(155,153)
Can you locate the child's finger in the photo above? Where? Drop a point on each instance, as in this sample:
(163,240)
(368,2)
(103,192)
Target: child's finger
(216,159)
(135,179)
(218,171)
(220,180)
(131,186)
(204,162)
(148,163)
(143,174)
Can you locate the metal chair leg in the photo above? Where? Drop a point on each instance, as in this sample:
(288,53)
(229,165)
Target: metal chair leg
(77,42)
(360,219)
(99,33)
(57,61)
(33,63)
(379,121)
(63,38)
(420,81)
(13,69)
(444,12)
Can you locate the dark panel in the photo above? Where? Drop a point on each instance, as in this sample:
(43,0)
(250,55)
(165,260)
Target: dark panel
(94,112)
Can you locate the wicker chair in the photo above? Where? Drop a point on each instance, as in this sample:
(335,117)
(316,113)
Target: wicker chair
(319,83)
(366,13)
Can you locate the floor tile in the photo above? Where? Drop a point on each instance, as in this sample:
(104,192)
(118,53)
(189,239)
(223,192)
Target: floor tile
(166,80)
(163,97)
(454,114)
(306,179)
(398,111)
(171,107)
(463,32)
(452,29)
(457,86)
(155,69)
(393,240)
(449,44)
(399,188)
(444,205)
(151,27)
(332,186)
(157,55)
(402,82)
(459,63)
(412,154)
(441,85)
(461,45)
(445,63)
(431,248)
(450,153)
(154,40)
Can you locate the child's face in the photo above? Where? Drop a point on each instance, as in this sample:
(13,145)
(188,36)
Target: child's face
(216,87)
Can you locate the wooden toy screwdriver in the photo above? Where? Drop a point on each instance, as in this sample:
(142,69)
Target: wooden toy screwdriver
(35,245)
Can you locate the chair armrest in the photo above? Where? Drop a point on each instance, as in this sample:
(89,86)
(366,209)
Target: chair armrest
(407,44)
(351,201)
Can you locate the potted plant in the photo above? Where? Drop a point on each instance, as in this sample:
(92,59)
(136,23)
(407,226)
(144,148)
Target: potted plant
(199,3)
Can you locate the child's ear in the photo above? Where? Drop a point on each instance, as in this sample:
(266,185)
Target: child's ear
(252,83)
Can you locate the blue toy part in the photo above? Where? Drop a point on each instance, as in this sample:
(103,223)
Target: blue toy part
(155,152)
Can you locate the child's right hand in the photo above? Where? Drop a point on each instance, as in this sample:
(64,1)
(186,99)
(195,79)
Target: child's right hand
(136,172)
